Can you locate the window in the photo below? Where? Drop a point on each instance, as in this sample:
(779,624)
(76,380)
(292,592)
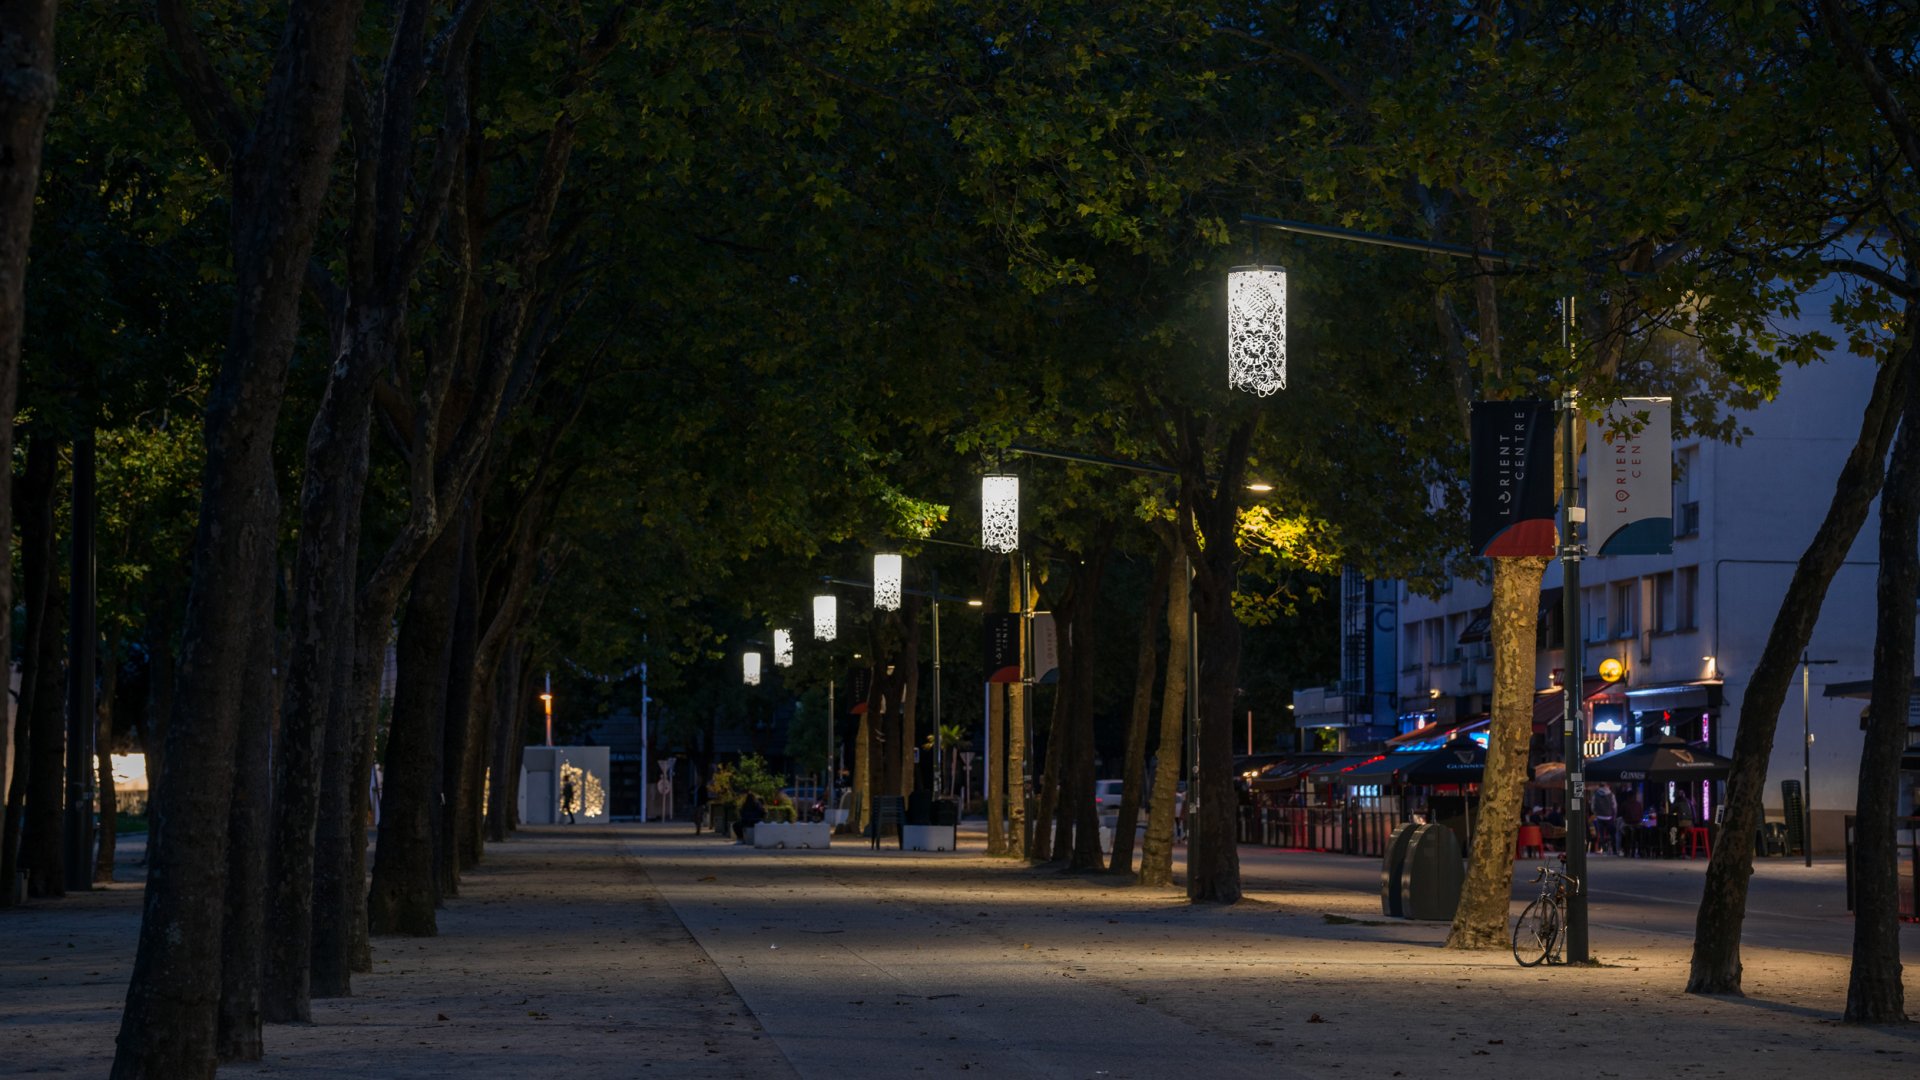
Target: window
(1594,601)
(1456,625)
(1413,656)
(1686,598)
(1686,492)
(1622,608)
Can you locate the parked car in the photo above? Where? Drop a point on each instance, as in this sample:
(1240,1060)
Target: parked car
(1106,797)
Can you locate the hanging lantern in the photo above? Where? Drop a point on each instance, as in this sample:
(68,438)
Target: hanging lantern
(1000,513)
(750,668)
(1257,329)
(826,618)
(887,570)
(783,648)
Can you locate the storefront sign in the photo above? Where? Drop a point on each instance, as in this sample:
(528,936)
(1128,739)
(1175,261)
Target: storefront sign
(1630,478)
(1511,500)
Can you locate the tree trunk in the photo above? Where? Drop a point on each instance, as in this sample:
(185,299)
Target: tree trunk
(456,758)
(280,177)
(1723,900)
(1049,830)
(1133,774)
(159,704)
(243,932)
(1077,792)
(1480,922)
(1156,857)
(320,625)
(506,729)
(1875,994)
(1014,776)
(1213,842)
(38,841)
(27,88)
(405,888)
(103,753)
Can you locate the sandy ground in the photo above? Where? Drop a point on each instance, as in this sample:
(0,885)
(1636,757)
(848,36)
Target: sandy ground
(646,951)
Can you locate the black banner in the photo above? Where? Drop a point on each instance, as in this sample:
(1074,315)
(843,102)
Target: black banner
(861,680)
(1512,497)
(1003,647)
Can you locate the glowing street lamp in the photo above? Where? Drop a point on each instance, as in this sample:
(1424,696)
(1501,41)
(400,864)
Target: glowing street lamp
(1257,329)
(750,668)
(887,571)
(826,618)
(783,648)
(1000,513)
(546,699)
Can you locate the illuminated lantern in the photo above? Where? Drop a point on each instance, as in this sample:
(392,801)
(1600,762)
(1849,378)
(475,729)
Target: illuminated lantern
(1257,329)
(783,648)
(887,570)
(1000,513)
(750,668)
(826,618)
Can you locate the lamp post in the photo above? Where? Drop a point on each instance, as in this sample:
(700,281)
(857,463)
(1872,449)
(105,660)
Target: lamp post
(826,626)
(1806,751)
(546,699)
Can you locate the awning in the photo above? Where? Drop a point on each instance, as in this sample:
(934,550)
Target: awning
(1683,696)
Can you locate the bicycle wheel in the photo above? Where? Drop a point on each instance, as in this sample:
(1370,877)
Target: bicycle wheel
(1536,932)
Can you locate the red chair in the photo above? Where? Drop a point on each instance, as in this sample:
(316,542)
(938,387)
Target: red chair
(1698,843)
(1530,840)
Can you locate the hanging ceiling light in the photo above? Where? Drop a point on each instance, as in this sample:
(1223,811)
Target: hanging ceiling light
(750,668)
(887,570)
(783,648)
(1000,512)
(826,618)
(1257,329)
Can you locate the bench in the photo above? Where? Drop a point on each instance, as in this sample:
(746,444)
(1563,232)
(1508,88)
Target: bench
(889,811)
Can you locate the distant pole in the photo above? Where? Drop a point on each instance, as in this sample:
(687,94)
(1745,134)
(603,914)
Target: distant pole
(833,771)
(1807,663)
(1249,732)
(81,717)
(644,699)
(937,749)
(546,700)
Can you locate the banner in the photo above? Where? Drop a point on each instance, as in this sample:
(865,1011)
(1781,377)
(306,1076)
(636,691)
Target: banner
(1630,478)
(1002,647)
(1512,498)
(1046,651)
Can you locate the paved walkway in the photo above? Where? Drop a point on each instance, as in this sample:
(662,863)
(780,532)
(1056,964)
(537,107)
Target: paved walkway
(647,951)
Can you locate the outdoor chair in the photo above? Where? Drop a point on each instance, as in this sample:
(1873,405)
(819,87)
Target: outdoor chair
(1529,842)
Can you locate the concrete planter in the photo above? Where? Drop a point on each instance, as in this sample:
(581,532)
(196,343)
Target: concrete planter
(927,837)
(792,834)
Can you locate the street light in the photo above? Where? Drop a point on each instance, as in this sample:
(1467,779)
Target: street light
(546,699)
(1257,329)
(1000,513)
(783,648)
(826,618)
(887,571)
(750,668)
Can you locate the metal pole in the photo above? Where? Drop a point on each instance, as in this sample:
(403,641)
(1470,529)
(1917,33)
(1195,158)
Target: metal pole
(833,771)
(1573,689)
(81,718)
(1806,755)
(646,778)
(938,750)
(1193,698)
(546,700)
(1026,706)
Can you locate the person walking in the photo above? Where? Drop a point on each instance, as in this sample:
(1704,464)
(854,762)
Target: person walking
(1606,819)
(566,799)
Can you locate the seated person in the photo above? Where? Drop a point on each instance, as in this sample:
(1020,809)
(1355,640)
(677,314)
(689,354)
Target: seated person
(751,814)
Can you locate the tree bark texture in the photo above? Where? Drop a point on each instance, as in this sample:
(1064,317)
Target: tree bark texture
(1480,922)
(1156,856)
(506,728)
(1133,774)
(41,851)
(405,887)
(993,755)
(27,91)
(279,179)
(1048,841)
(159,634)
(338,912)
(1723,901)
(1875,994)
(243,932)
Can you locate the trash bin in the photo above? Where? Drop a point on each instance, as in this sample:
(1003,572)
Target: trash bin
(1393,865)
(1433,875)
(946,812)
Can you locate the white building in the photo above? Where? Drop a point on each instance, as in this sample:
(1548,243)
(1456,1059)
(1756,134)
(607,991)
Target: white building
(1689,627)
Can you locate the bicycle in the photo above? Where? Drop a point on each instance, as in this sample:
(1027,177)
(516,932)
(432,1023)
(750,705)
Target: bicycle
(1537,936)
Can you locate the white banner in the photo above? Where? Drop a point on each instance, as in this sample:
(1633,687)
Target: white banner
(1630,478)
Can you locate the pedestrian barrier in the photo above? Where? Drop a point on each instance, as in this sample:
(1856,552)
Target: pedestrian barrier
(1344,830)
